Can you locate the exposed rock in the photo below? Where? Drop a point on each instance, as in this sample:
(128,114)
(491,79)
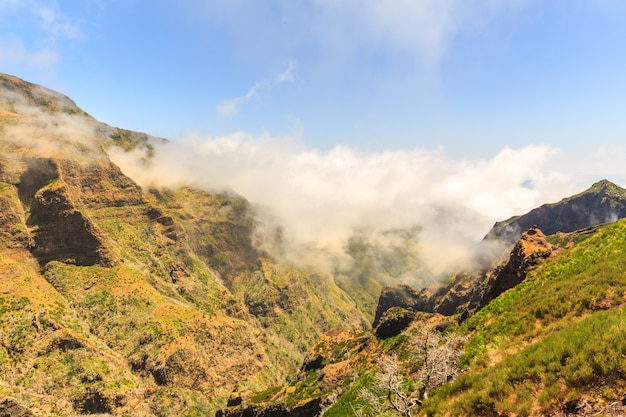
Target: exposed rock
(309,408)
(94,402)
(394,321)
(467,292)
(603,202)
(316,362)
(234,399)
(572,406)
(99,184)
(63,233)
(11,408)
(530,250)
(64,341)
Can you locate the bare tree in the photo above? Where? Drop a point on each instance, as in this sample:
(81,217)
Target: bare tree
(390,394)
(441,363)
(395,393)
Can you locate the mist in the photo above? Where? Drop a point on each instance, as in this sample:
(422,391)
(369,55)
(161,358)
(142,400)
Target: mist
(54,126)
(322,199)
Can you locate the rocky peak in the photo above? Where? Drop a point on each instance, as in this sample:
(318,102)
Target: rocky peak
(603,202)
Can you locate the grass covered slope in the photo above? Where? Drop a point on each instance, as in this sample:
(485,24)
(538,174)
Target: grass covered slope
(556,340)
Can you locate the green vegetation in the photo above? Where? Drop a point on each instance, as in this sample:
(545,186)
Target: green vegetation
(557,337)
(185,308)
(559,333)
(180,308)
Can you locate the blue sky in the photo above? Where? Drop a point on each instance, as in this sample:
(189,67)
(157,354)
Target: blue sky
(341,114)
(473,76)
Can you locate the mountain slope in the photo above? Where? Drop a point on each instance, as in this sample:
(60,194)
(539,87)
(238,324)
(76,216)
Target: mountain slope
(552,345)
(603,202)
(466,292)
(115,299)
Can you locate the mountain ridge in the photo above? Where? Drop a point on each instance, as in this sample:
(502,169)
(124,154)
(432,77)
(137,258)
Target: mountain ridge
(601,203)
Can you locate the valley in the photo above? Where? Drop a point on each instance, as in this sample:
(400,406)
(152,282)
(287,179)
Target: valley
(117,299)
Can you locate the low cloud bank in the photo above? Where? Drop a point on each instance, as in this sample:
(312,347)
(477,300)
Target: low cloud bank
(321,199)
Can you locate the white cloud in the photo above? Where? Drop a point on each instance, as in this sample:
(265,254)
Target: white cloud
(231,106)
(41,52)
(55,23)
(288,74)
(320,198)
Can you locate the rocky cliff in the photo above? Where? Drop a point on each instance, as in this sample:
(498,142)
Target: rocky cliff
(468,292)
(603,202)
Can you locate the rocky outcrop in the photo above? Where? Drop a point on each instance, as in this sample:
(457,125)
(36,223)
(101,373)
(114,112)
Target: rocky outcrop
(394,322)
(44,204)
(11,408)
(467,292)
(63,233)
(530,250)
(309,408)
(603,202)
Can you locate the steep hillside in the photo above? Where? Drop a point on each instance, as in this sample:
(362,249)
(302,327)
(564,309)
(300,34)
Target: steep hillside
(118,300)
(555,343)
(603,202)
(552,345)
(466,292)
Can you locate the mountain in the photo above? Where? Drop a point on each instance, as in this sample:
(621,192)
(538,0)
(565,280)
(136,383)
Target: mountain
(554,344)
(603,202)
(122,300)
(127,301)
(467,292)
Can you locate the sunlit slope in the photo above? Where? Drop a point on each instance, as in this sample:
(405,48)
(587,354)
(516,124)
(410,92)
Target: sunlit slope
(555,343)
(117,299)
(558,338)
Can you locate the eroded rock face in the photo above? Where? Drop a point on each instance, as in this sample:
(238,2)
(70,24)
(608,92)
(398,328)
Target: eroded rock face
(530,250)
(11,408)
(467,292)
(309,408)
(63,233)
(44,204)
(394,322)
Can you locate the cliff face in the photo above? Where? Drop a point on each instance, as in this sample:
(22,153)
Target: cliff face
(115,299)
(603,202)
(467,292)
